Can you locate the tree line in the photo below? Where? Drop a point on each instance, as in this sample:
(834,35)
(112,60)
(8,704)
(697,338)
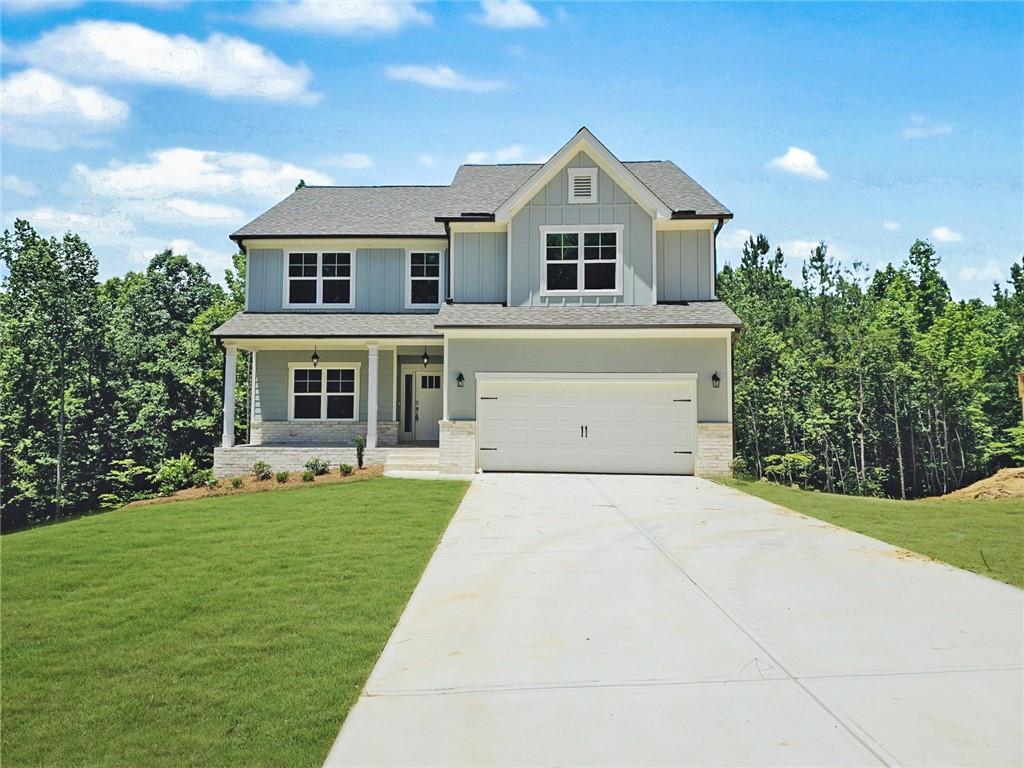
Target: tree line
(877,383)
(850,382)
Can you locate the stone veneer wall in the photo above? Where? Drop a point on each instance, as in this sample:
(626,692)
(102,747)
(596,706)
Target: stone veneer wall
(231,462)
(714,448)
(332,433)
(457,445)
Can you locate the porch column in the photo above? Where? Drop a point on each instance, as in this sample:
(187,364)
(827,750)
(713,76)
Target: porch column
(371,398)
(230,358)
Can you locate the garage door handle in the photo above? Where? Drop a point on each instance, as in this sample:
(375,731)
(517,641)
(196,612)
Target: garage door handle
(581,430)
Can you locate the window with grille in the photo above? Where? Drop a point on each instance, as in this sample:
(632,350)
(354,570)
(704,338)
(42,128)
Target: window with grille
(581,261)
(326,393)
(319,279)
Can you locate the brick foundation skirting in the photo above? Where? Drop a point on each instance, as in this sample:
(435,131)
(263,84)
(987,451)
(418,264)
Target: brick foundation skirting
(457,443)
(232,462)
(714,448)
(330,433)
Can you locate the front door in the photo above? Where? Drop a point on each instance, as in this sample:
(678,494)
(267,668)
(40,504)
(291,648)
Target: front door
(427,405)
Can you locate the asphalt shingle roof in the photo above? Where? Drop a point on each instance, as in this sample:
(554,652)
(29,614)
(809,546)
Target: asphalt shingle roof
(695,314)
(326,324)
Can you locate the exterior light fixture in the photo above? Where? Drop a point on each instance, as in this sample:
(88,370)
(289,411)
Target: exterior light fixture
(716,382)
(315,358)
(426,358)
(460,380)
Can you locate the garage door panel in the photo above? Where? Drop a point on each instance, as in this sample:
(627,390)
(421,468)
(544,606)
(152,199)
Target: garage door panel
(635,426)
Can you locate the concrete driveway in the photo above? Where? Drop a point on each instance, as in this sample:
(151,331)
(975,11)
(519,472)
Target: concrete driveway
(620,621)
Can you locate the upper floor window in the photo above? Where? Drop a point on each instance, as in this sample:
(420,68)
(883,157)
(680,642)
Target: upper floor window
(423,279)
(581,260)
(323,279)
(583,185)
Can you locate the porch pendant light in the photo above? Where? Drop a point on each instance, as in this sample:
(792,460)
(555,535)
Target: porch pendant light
(426,358)
(315,358)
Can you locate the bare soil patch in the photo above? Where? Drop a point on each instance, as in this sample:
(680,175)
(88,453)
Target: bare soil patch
(1004,484)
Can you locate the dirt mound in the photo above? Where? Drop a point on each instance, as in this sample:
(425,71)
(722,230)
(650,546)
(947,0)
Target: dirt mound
(1004,484)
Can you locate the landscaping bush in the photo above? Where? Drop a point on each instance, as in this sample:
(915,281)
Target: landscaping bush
(307,476)
(360,443)
(127,481)
(345,469)
(262,470)
(282,476)
(739,468)
(318,466)
(174,474)
(213,482)
(236,482)
(202,478)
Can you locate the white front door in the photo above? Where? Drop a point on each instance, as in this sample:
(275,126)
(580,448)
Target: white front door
(588,423)
(427,404)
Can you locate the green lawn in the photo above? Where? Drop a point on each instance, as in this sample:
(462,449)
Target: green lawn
(217,632)
(982,536)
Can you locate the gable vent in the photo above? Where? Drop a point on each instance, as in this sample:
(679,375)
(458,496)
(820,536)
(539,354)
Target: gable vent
(582,185)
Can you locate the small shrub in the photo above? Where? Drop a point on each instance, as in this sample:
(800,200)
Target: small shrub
(127,481)
(307,476)
(360,443)
(318,466)
(202,478)
(174,474)
(281,477)
(345,469)
(213,482)
(739,468)
(236,482)
(262,470)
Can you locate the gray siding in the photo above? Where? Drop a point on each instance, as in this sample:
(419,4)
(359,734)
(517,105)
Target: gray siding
(701,356)
(614,206)
(270,393)
(480,262)
(379,273)
(685,264)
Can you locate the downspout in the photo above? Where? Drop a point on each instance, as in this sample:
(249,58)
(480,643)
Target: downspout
(451,264)
(714,242)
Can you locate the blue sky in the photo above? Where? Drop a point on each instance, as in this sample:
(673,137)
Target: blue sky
(143,124)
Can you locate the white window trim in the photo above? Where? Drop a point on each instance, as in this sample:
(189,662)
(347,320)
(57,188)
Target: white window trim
(408,278)
(575,173)
(320,282)
(292,367)
(581,230)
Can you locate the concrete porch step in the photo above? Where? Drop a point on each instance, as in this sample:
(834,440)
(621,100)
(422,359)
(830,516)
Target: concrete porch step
(412,459)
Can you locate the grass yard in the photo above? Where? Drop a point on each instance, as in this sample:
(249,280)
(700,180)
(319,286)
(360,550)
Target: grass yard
(217,632)
(984,536)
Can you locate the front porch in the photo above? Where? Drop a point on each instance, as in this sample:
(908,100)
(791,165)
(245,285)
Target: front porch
(413,461)
(314,397)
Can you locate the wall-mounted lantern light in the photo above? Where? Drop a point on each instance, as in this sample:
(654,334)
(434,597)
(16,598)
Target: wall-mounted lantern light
(315,358)
(426,358)
(715,380)
(460,380)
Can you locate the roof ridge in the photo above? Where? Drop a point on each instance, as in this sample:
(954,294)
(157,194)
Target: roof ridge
(375,186)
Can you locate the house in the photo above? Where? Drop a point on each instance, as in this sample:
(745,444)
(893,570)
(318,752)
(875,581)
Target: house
(555,317)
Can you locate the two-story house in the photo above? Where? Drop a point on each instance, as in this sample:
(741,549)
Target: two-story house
(555,317)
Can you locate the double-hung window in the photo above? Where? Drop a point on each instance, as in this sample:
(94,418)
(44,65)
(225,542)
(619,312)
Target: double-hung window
(581,260)
(325,393)
(319,279)
(423,279)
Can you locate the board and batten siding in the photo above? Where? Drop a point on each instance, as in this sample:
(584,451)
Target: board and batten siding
(270,390)
(380,275)
(550,206)
(685,265)
(479,274)
(701,356)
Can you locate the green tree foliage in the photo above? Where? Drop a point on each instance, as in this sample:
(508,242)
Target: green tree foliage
(98,379)
(872,385)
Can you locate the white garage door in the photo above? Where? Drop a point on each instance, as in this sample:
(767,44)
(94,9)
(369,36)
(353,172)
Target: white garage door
(587,423)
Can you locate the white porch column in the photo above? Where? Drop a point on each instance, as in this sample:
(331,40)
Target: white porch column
(371,398)
(230,359)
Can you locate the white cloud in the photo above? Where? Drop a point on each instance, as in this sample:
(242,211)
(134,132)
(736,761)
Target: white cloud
(182,171)
(510,14)
(221,66)
(19,186)
(182,210)
(351,160)
(33,6)
(800,249)
(444,78)
(427,161)
(891,226)
(141,251)
(514,153)
(920,127)
(990,272)
(43,111)
(946,235)
(734,238)
(799,162)
(341,17)
(98,229)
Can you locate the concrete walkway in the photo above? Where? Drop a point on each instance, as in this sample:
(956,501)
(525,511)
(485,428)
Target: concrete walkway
(622,621)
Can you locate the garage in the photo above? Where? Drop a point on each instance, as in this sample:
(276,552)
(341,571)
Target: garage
(587,422)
